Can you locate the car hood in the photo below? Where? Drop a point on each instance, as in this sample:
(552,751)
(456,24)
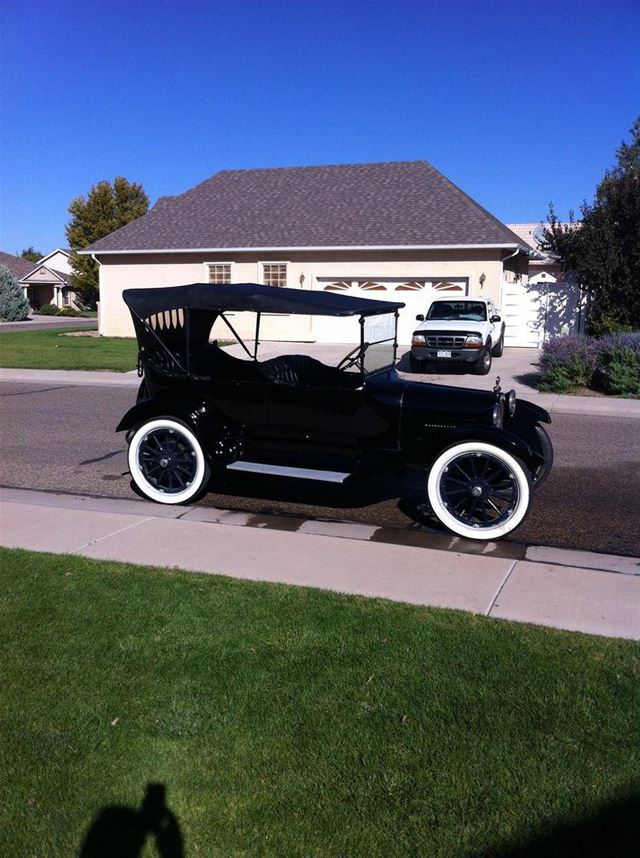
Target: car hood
(457,325)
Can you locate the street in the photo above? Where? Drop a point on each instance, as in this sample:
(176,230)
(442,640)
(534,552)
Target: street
(61,438)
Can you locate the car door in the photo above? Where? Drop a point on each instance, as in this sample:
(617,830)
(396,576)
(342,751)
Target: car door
(313,415)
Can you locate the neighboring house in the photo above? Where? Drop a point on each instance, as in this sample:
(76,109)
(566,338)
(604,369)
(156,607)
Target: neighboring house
(43,282)
(550,301)
(399,231)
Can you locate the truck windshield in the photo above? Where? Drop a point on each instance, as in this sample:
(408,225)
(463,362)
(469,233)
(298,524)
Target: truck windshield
(450,311)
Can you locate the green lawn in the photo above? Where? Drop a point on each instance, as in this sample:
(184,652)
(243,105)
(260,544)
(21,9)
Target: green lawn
(290,722)
(50,349)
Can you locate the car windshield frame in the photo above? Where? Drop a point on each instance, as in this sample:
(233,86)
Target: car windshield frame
(462,316)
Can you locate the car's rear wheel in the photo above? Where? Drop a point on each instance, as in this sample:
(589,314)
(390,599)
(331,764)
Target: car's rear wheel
(478,490)
(166,461)
(483,365)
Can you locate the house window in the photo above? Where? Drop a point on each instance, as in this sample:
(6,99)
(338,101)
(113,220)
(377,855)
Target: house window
(274,273)
(66,299)
(220,272)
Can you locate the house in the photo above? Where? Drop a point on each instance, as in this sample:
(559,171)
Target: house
(43,282)
(398,231)
(549,301)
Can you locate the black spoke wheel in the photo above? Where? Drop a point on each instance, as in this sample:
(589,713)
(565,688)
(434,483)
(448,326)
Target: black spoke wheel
(479,490)
(166,461)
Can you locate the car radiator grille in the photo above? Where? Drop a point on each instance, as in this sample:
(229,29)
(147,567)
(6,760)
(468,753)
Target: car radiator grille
(446,341)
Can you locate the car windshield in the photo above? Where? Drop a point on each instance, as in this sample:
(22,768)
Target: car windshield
(466,311)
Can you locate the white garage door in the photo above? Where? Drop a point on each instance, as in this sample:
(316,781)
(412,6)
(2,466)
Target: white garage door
(415,293)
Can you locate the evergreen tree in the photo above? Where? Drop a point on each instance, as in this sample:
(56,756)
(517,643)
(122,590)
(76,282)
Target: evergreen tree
(604,249)
(31,254)
(107,207)
(14,307)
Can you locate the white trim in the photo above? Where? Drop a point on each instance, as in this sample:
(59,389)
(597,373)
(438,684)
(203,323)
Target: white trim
(307,248)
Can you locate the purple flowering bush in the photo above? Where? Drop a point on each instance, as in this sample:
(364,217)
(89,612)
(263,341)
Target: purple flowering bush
(610,364)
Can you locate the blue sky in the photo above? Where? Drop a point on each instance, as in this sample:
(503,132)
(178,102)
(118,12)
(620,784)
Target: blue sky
(517,102)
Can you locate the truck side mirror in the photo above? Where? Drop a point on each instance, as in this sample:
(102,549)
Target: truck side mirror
(419,318)
(496,319)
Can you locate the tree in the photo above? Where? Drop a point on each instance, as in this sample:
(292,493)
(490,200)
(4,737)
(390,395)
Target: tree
(604,248)
(14,306)
(106,208)
(31,254)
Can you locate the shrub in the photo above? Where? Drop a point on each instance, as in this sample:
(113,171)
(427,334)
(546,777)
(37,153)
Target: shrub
(69,311)
(48,310)
(611,364)
(14,306)
(619,366)
(568,363)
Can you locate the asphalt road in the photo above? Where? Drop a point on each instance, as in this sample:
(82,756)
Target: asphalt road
(43,323)
(62,439)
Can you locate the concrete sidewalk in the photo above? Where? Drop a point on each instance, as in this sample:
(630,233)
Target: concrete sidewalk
(580,591)
(555,403)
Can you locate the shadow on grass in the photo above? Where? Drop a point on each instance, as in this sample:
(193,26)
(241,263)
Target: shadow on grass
(122,832)
(611,831)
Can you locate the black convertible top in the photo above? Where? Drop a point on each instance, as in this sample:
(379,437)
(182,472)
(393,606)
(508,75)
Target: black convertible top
(251,298)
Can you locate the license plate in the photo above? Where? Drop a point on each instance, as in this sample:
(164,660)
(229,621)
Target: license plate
(444,354)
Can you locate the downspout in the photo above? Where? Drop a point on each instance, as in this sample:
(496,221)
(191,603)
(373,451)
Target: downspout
(99,264)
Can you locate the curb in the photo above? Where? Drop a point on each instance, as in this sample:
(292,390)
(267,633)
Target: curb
(574,590)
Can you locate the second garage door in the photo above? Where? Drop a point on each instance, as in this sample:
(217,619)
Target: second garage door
(415,293)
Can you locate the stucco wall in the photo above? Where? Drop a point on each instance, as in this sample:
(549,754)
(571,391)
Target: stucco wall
(121,272)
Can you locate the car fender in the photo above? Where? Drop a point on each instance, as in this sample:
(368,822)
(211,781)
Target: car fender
(192,412)
(531,455)
(534,413)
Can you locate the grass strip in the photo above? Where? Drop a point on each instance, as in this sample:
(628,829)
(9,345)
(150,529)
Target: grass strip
(285,721)
(51,349)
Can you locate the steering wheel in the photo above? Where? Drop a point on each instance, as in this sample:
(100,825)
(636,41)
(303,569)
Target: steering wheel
(351,358)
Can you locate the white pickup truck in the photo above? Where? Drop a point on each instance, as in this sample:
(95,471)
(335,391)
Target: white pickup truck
(458,331)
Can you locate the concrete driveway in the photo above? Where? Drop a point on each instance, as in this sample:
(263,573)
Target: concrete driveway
(517,368)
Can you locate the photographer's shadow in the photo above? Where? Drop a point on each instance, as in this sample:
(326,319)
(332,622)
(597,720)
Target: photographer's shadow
(122,832)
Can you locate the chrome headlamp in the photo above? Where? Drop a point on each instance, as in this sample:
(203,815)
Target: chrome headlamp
(498,413)
(511,402)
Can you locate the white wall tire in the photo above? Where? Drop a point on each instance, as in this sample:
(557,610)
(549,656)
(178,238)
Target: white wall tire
(462,497)
(171,471)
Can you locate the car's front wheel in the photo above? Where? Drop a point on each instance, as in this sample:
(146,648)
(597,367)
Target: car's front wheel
(478,490)
(166,461)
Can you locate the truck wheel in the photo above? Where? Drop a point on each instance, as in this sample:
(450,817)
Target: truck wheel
(483,365)
(478,490)
(167,462)
(416,365)
(497,350)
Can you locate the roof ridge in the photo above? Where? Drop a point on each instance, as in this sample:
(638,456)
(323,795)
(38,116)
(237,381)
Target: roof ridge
(476,205)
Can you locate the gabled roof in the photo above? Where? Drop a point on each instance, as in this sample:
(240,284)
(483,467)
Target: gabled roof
(55,276)
(397,204)
(17,265)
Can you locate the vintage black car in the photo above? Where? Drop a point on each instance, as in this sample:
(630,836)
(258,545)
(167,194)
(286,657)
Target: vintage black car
(202,412)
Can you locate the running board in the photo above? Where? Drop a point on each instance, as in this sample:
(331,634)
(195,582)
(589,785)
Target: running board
(287,471)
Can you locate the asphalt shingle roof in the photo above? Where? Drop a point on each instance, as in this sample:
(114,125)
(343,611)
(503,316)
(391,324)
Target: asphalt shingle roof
(17,265)
(346,205)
